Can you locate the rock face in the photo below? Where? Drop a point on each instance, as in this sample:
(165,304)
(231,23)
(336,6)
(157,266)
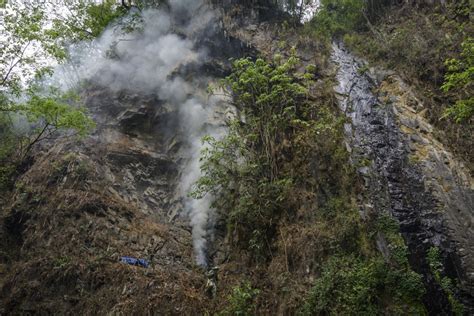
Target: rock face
(67,225)
(408,173)
(80,207)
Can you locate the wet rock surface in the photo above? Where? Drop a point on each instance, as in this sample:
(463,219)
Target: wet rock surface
(408,174)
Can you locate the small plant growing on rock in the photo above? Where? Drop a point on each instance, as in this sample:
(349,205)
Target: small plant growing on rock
(446,283)
(459,80)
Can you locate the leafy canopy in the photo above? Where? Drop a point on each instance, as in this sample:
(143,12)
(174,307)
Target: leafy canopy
(55,112)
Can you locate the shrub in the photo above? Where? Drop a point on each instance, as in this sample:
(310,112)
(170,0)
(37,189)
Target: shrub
(434,260)
(337,17)
(459,79)
(241,301)
(360,286)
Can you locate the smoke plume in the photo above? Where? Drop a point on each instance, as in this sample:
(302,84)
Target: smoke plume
(149,61)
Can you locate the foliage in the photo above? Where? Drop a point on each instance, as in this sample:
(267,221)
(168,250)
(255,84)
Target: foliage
(356,286)
(434,260)
(391,231)
(31,40)
(54,112)
(367,284)
(37,34)
(460,78)
(241,301)
(249,171)
(51,114)
(46,117)
(86,21)
(6,172)
(7,149)
(339,17)
(22,29)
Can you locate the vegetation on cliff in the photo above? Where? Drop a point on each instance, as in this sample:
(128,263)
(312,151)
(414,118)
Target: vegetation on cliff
(459,80)
(291,237)
(428,42)
(260,173)
(36,37)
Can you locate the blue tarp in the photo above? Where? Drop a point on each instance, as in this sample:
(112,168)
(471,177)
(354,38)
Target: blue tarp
(135,262)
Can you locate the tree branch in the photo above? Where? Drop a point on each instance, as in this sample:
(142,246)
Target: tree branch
(4,80)
(36,140)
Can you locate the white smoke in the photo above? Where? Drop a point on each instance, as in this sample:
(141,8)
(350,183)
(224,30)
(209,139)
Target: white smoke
(200,212)
(140,61)
(148,61)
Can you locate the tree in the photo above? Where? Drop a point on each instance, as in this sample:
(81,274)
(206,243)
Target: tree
(22,30)
(35,35)
(30,45)
(249,170)
(336,17)
(52,114)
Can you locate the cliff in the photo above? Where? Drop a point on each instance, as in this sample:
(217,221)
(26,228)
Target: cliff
(374,186)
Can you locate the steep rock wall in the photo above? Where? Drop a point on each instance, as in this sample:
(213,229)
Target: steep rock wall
(408,173)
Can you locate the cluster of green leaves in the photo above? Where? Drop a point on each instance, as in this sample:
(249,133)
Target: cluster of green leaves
(446,283)
(337,17)
(85,21)
(55,112)
(45,118)
(460,79)
(356,279)
(352,285)
(391,231)
(249,171)
(241,300)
